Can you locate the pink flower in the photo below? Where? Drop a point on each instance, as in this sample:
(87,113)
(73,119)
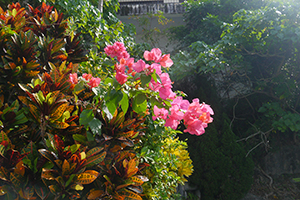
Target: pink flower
(94,82)
(195,127)
(87,76)
(174,118)
(116,50)
(154,55)
(73,78)
(121,77)
(155,86)
(157,68)
(165,92)
(160,113)
(129,63)
(120,67)
(206,108)
(183,104)
(166,61)
(139,66)
(196,117)
(123,54)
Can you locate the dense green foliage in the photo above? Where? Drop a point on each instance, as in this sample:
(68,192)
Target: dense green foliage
(250,51)
(221,170)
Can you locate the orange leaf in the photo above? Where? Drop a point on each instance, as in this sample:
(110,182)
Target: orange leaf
(127,194)
(131,168)
(65,167)
(4,174)
(136,180)
(59,125)
(95,194)
(48,174)
(19,169)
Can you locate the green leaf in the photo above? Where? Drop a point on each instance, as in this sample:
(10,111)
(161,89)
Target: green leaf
(70,180)
(124,102)
(74,148)
(297,180)
(48,154)
(145,79)
(112,100)
(41,191)
(85,117)
(94,151)
(79,138)
(16,179)
(95,126)
(139,103)
(94,160)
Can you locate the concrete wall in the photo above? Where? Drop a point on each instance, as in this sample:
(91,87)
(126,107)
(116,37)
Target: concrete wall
(163,43)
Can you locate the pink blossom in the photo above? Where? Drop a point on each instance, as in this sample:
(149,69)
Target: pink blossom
(166,61)
(139,66)
(165,80)
(116,50)
(195,127)
(87,76)
(174,118)
(157,68)
(123,54)
(160,113)
(196,117)
(73,78)
(121,77)
(165,92)
(206,108)
(129,63)
(154,55)
(155,86)
(183,104)
(94,82)
(120,67)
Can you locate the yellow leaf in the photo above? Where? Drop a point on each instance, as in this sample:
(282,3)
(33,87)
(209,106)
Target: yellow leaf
(87,177)
(58,112)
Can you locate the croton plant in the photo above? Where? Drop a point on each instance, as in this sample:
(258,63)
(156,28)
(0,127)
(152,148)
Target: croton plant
(68,135)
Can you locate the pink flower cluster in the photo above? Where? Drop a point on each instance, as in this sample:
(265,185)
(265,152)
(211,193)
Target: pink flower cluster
(196,116)
(126,66)
(118,50)
(91,81)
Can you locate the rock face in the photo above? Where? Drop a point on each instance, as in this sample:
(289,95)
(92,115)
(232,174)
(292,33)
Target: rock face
(284,161)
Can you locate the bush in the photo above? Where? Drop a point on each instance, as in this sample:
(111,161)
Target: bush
(71,135)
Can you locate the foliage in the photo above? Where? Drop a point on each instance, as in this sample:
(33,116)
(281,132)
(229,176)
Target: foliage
(65,135)
(204,19)
(256,53)
(150,34)
(164,173)
(221,168)
(254,65)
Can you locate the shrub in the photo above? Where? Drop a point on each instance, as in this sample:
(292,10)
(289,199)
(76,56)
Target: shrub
(71,135)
